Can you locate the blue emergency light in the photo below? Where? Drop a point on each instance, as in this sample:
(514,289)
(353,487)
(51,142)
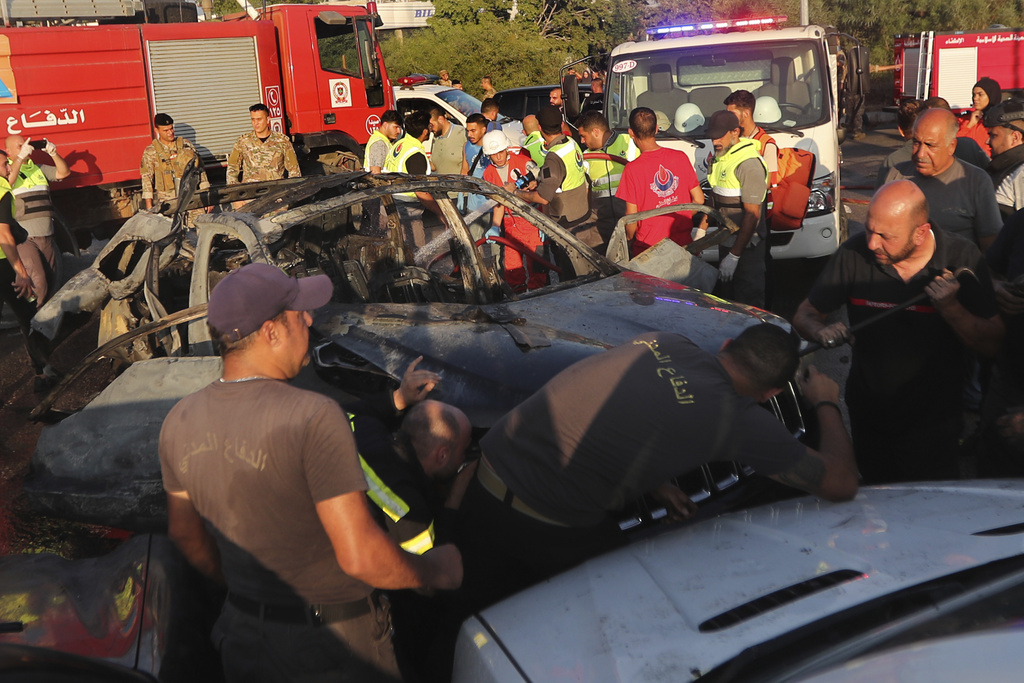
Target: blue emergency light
(760,23)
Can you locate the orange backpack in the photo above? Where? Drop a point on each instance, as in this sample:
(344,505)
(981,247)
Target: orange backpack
(789,197)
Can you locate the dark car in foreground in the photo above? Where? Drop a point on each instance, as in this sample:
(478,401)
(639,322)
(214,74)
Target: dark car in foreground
(402,290)
(884,587)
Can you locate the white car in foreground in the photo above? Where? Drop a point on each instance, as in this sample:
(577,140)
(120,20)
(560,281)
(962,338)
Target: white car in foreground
(890,583)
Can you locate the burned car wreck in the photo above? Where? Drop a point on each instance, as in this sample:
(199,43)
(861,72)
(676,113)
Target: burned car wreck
(403,289)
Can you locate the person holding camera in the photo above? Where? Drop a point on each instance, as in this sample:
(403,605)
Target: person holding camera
(33,208)
(16,287)
(513,171)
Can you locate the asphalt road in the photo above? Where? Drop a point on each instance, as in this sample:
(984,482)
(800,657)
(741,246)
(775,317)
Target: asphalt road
(21,530)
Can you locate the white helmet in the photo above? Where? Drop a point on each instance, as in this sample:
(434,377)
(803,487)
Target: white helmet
(494,142)
(766,110)
(688,118)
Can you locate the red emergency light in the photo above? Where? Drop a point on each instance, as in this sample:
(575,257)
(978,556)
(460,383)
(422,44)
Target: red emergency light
(759,23)
(412,80)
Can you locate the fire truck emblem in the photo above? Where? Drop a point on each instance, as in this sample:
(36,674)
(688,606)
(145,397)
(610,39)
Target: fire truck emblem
(341,92)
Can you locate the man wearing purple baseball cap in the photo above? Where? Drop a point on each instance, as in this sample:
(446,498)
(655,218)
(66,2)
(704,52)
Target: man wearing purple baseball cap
(265,493)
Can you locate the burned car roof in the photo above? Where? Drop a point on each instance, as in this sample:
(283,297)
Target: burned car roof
(403,289)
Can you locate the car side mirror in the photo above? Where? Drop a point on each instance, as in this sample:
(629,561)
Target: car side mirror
(571,96)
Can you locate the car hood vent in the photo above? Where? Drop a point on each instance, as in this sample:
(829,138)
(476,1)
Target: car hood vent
(778,598)
(1008,530)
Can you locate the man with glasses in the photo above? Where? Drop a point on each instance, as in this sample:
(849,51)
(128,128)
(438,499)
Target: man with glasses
(904,392)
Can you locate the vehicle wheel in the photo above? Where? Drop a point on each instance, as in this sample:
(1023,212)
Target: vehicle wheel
(339,161)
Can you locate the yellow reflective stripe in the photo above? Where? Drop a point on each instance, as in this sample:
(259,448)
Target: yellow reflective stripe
(729,191)
(421,543)
(5,187)
(393,506)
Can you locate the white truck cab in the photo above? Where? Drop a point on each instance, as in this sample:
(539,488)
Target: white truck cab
(794,68)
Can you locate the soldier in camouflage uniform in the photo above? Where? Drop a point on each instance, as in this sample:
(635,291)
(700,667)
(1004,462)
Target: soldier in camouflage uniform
(262,154)
(164,162)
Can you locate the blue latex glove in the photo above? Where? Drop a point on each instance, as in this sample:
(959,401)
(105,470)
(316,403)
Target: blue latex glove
(495,231)
(543,237)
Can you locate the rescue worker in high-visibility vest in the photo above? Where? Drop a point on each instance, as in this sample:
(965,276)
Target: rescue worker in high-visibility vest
(16,289)
(533,143)
(506,169)
(562,187)
(409,448)
(408,155)
(381,140)
(743,103)
(33,208)
(606,155)
(738,177)
(376,153)
(745,106)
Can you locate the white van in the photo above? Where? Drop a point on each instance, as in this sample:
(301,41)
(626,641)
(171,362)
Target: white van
(795,67)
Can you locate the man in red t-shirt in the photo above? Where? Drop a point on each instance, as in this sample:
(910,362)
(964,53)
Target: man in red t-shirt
(658,177)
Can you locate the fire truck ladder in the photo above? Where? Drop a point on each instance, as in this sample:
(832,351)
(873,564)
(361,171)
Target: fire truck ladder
(924,65)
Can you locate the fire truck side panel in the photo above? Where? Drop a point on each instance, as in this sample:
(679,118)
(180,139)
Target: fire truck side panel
(957,61)
(207,77)
(83,88)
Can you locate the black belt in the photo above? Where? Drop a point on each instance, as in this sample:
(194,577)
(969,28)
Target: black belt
(493,484)
(302,614)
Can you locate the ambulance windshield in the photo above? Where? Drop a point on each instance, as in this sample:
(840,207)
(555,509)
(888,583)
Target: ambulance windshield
(686,85)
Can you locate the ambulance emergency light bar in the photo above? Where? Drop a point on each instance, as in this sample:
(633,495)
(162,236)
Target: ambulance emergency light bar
(763,22)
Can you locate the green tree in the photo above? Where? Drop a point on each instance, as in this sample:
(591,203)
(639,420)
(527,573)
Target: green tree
(512,53)
(876,22)
(587,26)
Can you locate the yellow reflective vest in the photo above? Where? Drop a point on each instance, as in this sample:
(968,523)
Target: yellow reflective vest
(5,189)
(534,144)
(605,174)
(571,155)
(392,505)
(377,135)
(399,156)
(722,175)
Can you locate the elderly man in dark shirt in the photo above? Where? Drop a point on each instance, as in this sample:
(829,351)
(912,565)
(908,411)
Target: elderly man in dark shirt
(961,196)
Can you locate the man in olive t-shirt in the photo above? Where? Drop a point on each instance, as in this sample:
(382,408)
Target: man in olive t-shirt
(623,423)
(265,492)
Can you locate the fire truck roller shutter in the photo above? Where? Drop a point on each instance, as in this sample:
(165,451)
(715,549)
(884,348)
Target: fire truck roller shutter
(211,118)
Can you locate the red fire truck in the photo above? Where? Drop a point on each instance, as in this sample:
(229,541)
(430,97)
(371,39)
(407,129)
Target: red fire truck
(947,65)
(93,91)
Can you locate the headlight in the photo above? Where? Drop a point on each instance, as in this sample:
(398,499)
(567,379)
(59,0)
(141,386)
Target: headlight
(823,195)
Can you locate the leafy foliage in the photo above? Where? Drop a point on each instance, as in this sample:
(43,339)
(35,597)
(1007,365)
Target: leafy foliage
(875,22)
(512,53)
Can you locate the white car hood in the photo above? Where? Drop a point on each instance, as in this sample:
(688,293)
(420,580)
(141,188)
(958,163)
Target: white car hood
(636,614)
